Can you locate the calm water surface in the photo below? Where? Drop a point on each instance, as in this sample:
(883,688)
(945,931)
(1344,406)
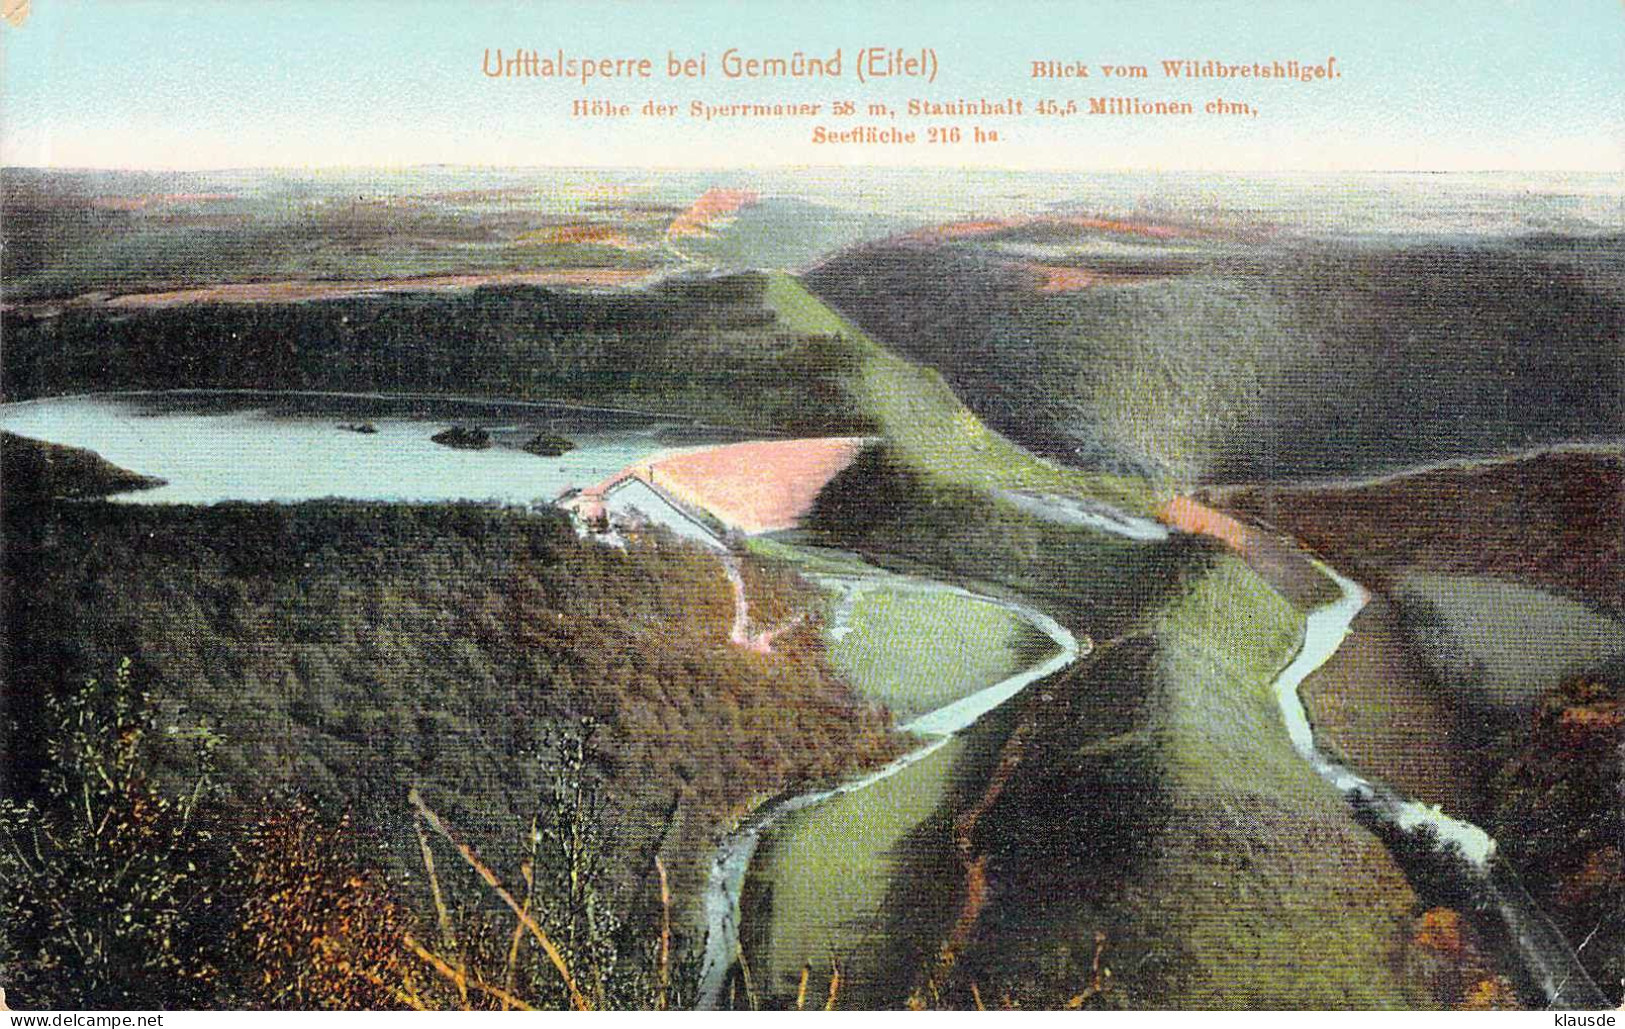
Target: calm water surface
(211,447)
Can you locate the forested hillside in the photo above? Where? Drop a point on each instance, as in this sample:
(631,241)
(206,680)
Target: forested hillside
(352,652)
(1201,360)
(702,348)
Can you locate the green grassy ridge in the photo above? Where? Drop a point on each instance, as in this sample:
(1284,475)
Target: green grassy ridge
(821,880)
(1082,811)
(917,412)
(926,497)
(906,645)
(1224,872)
(887,890)
(900,518)
(915,652)
(1165,807)
(1220,644)
(1321,915)
(1316,913)
(869,878)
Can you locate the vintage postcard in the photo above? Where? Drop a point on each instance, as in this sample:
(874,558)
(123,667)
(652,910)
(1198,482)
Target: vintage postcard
(962,506)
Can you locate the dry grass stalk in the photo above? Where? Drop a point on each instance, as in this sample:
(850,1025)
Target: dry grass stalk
(448,934)
(665,933)
(1100,975)
(801,990)
(528,872)
(750,987)
(834,984)
(406,994)
(491,880)
(457,977)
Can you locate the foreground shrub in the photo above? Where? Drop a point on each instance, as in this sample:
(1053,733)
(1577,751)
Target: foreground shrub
(105,897)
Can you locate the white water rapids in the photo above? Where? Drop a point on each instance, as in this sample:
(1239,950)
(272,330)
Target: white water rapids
(1545,952)
(185,446)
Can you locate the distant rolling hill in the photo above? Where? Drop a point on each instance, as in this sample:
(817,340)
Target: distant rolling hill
(783,232)
(1199,359)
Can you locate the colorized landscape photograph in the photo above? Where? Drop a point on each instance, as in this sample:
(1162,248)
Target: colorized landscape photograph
(559,584)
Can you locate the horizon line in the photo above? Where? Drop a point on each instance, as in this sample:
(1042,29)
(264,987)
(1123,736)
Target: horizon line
(961,169)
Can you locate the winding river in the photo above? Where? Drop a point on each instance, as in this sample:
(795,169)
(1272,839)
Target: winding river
(732,861)
(261,446)
(1546,954)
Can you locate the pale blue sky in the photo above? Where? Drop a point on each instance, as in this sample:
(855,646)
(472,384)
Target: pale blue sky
(1465,84)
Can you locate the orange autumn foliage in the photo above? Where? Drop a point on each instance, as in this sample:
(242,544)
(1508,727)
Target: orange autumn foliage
(712,205)
(1466,982)
(1189,515)
(1439,930)
(1578,721)
(988,226)
(1061,278)
(320,931)
(1491,994)
(580,232)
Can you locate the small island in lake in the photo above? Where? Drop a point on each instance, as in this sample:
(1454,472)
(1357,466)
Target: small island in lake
(547,444)
(463,438)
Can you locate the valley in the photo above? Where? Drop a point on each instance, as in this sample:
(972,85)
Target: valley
(1017,601)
